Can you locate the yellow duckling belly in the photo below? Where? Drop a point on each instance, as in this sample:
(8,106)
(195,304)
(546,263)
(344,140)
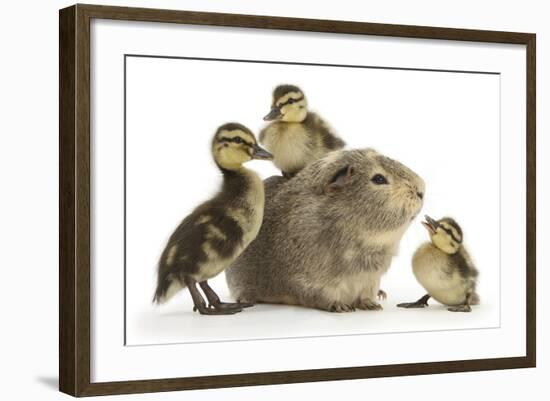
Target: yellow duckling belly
(290,147)
(431,269)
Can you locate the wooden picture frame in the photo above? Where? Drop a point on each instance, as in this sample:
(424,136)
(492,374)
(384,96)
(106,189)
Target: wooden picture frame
(74,199)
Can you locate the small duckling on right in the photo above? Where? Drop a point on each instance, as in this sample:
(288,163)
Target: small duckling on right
(444,268)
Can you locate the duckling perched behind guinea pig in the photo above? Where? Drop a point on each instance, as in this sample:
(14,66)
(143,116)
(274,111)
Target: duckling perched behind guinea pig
(329,233)
(444,268)
(296,137)
(217,231)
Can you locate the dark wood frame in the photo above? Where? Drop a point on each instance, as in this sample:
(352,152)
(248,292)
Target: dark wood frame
(74,199)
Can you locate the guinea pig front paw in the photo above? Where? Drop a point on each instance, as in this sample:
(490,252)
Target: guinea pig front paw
(382,295)
(368,304)
(340,307)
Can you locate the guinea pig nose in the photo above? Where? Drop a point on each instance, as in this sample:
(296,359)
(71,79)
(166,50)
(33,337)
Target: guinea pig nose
(420,195)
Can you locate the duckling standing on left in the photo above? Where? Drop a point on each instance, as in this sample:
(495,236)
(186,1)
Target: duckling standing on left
(444,268)
(296,136)
(216,232)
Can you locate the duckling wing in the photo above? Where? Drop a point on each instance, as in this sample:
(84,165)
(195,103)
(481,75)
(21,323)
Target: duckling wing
(183,251)
(317,126)
(204,244)
(462,261)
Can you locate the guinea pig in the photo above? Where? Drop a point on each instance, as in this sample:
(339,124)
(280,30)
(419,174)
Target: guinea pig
(329,234)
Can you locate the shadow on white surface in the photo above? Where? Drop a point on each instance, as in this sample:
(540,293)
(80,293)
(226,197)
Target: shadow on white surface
(175,322)
(51,382)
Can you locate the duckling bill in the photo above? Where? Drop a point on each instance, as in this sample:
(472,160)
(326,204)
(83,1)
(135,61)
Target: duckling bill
(295,136)
(217,231)
(444,268)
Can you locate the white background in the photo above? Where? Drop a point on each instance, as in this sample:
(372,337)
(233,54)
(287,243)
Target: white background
(111,361)
(29,207)
(443,125)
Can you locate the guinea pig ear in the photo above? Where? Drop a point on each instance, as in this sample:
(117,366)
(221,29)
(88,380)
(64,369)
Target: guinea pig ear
(340,180)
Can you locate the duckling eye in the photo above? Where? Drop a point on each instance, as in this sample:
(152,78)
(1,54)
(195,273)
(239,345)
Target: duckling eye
(238,140)
(379,179)
(290,101)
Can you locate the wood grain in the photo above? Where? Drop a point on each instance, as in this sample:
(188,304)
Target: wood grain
(67,272)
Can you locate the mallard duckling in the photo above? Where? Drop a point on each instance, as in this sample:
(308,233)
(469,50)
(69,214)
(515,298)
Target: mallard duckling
(216,232)
(296,136)
(444,268)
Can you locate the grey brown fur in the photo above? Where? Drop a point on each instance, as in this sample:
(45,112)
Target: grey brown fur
(328,234)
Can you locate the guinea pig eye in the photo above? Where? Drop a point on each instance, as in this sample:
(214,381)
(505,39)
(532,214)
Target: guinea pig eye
(379,179)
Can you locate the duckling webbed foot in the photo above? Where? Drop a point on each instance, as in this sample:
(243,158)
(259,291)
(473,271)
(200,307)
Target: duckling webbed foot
(466,306)
(206,310)
(215,302)
(421,303)
(460,308)
(200,304)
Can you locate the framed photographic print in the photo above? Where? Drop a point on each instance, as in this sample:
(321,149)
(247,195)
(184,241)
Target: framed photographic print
(393,213)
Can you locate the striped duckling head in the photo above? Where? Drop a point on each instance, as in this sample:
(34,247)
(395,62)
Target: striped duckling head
(445,233)
(288,104)
(234,144)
